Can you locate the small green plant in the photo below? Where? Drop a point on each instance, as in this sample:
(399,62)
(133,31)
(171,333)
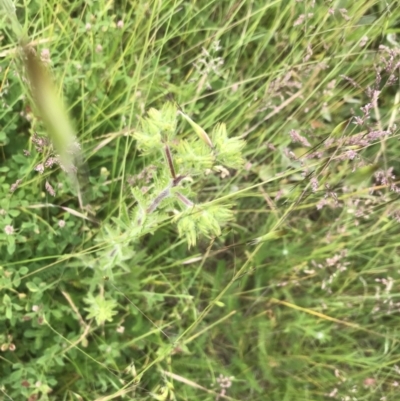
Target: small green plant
(176,165)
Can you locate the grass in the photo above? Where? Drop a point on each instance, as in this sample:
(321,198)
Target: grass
(297,298)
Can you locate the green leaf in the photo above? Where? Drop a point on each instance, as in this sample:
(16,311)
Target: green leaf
(16,280)
(14,213)
(198,130)
(101,309)
(228,150)
(11,247)
(9,313)
(193,156)
(340,129)
(6,300)
(7,303)
(32,287)
(206,220)
(3,137)
(362,174)
(23,270)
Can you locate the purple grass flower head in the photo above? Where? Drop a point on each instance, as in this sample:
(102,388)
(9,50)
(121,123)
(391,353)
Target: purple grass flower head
(296,137)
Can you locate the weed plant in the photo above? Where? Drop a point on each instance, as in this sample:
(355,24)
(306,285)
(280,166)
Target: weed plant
(199,200)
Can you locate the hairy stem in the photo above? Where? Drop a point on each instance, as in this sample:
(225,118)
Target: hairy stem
(165,193)
(170,162)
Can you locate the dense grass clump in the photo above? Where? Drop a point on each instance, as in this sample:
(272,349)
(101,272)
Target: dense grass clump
(199,200)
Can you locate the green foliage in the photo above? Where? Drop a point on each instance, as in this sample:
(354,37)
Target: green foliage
(187,265)
(203,220)
(228,150)
(100,309)
(194,156)
(189,158)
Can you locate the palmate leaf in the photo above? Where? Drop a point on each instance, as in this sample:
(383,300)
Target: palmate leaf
(100,309)
(193,156)
(165,120)
(149,138)
(202,219)
(157,128)
(228,150)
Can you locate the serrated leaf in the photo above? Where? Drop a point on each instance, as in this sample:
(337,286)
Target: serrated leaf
(101,309)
